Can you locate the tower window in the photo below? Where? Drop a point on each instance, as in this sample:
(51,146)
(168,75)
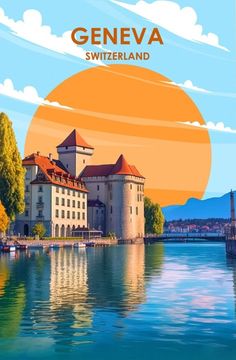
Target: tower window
(130,209)
(130,186)
(97,187)
(136,210)
(26,212)
(83,161)
(111,210)
(66,147)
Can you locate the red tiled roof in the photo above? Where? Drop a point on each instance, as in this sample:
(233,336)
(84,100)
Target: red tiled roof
(121,167)
(54,172)
(74,139)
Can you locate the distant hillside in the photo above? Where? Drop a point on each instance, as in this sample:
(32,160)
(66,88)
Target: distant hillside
(218,207)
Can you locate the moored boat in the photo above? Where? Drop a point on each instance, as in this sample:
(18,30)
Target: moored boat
(54,246)
(79,245)
(90,244)
(8,248)
(21,247)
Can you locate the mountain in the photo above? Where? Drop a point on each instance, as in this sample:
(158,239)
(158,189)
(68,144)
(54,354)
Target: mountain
(218,207)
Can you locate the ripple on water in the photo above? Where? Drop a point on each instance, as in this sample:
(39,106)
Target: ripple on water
(136,300)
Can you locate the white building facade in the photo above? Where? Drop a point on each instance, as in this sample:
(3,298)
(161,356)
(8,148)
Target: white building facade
(69,193)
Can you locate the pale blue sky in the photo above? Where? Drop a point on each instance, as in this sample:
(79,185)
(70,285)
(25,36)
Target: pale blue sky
(206,66)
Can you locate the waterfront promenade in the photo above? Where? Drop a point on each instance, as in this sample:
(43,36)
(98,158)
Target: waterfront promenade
(64,243)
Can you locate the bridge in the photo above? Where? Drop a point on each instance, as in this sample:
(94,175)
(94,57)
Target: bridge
(184,237)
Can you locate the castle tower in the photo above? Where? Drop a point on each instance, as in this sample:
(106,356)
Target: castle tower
(120,188)
(74,153)
(127,201)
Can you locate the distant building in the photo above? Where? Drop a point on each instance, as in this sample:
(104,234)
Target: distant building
(69,193)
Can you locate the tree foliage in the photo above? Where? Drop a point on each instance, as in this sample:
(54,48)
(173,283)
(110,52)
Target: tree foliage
(154,218)
(4,220)
(11,170)
(39,229)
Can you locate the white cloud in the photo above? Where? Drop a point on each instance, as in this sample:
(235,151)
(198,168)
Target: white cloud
(179,21)
(31,29)
(28,94)
(219,126)
(188,84)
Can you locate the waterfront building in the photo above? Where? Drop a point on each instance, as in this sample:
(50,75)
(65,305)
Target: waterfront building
(69,194)
(52,197)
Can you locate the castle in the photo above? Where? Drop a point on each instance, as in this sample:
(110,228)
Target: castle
(68,195)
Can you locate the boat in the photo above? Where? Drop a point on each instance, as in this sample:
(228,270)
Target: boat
(90,244)
(54,246)
(8,248)
(21,247)
(79,245)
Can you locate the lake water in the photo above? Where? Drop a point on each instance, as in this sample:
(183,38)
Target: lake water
(122,302)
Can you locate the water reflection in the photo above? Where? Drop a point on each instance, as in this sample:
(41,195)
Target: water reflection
(67,284)
(164,297)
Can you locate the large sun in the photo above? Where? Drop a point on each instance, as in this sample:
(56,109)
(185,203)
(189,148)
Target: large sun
(130,110)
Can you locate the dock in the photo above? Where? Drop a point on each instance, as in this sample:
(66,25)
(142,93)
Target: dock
(39,244)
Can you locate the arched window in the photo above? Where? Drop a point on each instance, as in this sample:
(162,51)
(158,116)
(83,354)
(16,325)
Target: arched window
(68,233)
(63,231)
(57,231)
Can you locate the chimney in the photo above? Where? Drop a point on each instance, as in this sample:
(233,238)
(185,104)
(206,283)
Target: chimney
(38,153)
(50,156)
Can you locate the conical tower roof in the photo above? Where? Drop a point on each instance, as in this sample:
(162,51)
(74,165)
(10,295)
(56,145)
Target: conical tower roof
(74,139)
(121,167)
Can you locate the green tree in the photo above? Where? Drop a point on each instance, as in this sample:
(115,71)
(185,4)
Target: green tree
(4,220)
(154,218)
(39,229)
(11,170)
